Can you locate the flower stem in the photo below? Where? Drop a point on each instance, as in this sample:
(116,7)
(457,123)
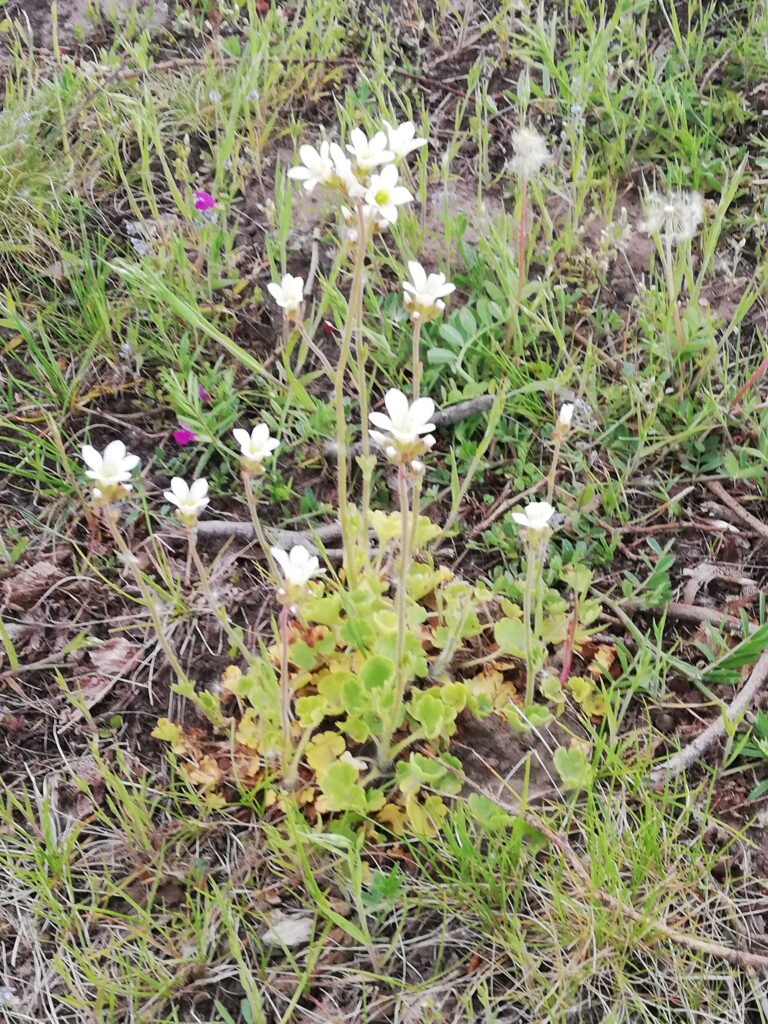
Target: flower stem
(218,610)
(253,508)
(285,691)
(552,476)
(416,356)
(522,239)
(338,395)
(148,599)
(530,582)
(402,613)
(669,273)
(362,386)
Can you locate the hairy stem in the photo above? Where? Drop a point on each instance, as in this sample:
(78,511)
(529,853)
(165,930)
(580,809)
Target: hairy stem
(522,239)
(362,385)
(338,396)
(402,613)
(669,274)
(552,476)
(530,582)
(148,598)
(253,508)
(285,684)
(416,357)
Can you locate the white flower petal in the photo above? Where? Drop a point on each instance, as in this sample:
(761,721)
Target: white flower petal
(91,457)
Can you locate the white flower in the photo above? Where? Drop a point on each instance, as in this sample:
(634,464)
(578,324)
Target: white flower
(536,515)
(385,195)
(531,152)
(289,294)
(676,216)
(297,566)
(316,167)
(566,414)
(424,298)
(110,470)
(255,447)
(189,501)
(408,428)
(402,139)
(369,153)
(329,166)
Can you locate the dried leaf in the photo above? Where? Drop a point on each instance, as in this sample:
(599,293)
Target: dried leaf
(289,931)
(22,590)
(112,661)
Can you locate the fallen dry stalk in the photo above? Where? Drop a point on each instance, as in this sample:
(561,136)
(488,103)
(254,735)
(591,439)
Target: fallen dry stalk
(706,739)
(215,529)
(737,508)
(691,613)
(739,958)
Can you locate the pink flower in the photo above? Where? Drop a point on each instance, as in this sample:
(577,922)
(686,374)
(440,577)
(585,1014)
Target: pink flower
(184,436)
(204,200)
(203,395)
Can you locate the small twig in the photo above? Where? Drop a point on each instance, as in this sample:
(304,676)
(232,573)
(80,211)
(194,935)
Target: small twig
(214,529)
(313,263)
(706,739)
(691,613)
(737,957)
(738,510)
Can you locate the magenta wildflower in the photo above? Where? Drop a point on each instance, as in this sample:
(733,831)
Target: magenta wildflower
(184,436)
(204,200)
(203,395)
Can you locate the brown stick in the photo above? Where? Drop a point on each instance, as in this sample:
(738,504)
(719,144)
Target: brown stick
(215,529)
(740,703)
(737,957)
(691,613)
(738,510)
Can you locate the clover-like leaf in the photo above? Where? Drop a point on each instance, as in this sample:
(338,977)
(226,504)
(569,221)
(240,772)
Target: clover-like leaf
(432,714)
(453,694)
(394,817)
(325,611)
(377,672)
(420,771)
(510,635)
(581,689)
(340,785)
(249,730)
(331,686)
(425,818)
(356,728)
(422,580)
(303,656)
(386,525)
(414,659)
(170,732)
(323,750)
(572,766)
(310,711)
(532,716)
(551,689)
